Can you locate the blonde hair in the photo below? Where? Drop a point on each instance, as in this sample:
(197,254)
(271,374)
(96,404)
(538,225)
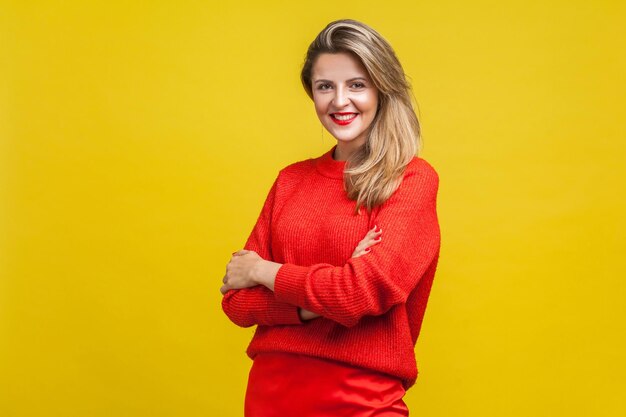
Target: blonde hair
(375,170)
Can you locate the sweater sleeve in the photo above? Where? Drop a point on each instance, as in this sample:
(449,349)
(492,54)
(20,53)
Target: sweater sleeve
(373,283)
(257,305)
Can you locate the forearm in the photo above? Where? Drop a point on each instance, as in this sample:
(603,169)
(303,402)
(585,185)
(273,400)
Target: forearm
(266,275)
(257,305)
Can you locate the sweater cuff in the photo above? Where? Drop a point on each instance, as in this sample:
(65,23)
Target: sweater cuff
(289,284)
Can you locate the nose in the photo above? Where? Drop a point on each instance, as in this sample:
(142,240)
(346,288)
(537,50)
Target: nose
(341,97)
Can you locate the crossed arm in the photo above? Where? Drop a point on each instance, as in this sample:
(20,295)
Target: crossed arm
(248,269)
(364,285)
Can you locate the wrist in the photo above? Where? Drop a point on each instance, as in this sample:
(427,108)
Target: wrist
(265,272)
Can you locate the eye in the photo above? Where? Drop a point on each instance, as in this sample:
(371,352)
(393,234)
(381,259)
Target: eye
(359,85)
(321,86)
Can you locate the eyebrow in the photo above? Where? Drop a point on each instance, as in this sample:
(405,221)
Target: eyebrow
(351,79)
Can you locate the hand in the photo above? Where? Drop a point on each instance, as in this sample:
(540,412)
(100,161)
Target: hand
(371,238)
(240,270)
(306,314)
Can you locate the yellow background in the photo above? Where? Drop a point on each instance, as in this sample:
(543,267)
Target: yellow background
(139,139)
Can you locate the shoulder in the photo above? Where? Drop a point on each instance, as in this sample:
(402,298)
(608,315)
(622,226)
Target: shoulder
(290,177)
(296,170)
(299,166)
(418,188)
(421,171)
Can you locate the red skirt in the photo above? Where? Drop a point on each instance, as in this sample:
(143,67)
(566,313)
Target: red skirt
(295,385)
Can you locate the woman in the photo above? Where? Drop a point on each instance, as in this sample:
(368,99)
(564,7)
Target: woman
(338,308)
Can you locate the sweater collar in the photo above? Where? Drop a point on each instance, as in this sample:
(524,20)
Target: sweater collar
(329,167)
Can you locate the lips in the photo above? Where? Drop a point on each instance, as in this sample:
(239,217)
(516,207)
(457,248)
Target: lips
(343,118)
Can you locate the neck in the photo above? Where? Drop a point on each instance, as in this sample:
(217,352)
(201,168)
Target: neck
(345,149)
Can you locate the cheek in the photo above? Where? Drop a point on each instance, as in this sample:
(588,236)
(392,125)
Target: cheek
(373,101)
(320,107)
(367,103)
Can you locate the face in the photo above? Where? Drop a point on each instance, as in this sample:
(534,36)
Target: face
(345,97)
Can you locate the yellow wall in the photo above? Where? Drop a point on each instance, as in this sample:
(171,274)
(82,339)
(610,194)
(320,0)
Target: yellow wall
(137,143)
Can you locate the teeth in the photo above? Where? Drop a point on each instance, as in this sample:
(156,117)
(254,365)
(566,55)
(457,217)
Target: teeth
(344,117)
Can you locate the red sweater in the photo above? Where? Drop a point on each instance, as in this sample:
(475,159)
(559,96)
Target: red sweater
(372,306)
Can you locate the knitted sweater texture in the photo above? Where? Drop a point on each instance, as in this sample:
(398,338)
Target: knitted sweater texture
(372,306)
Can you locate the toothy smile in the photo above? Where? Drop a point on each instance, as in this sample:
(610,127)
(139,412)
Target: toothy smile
(343,116)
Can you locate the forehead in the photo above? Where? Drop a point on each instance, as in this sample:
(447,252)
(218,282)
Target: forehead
(339,66)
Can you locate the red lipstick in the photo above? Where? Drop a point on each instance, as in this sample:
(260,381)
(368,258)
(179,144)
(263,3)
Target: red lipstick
(343,122)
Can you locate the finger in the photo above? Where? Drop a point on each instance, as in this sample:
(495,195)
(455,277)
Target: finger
(371,241)
(368,241)
(360,252)
(370,233)
(368,246)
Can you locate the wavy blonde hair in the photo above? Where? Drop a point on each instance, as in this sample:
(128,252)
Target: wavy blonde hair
(375,170)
